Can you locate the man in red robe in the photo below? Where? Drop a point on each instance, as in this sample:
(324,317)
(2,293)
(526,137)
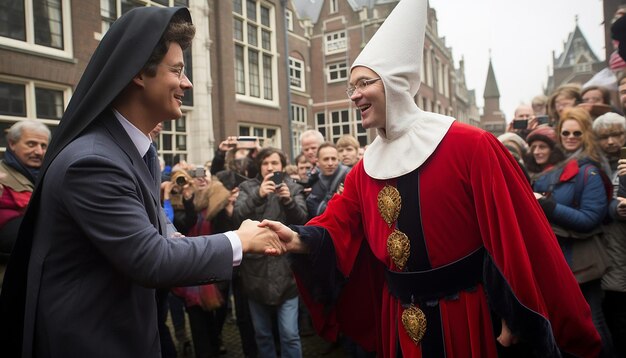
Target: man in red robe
(436,245)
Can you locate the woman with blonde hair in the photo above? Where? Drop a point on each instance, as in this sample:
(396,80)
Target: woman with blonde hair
(574,197)
(576,135)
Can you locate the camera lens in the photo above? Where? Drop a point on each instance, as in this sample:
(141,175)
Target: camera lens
(181,180)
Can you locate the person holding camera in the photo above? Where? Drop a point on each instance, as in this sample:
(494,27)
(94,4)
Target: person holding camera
(268,281)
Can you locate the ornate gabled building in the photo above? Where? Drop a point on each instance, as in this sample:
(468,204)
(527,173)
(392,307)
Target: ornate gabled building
(576,64)
(492,119)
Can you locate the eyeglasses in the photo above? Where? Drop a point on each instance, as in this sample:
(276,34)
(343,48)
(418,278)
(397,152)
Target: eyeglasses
(360,86)
(178,70)
(574,133)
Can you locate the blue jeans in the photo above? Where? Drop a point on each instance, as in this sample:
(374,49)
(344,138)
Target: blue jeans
(287,318)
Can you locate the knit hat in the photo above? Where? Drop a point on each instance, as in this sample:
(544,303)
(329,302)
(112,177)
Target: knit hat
(515,138)
(543,133)
(394,53)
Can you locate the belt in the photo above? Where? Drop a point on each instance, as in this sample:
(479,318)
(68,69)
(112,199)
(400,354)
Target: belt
(421,286)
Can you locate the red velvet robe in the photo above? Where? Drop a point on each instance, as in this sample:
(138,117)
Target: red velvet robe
(471,193)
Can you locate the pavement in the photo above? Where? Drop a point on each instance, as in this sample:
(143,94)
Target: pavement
(312,346)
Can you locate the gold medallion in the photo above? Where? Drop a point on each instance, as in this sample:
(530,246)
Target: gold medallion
(399,248)
(389,204)
(414,322)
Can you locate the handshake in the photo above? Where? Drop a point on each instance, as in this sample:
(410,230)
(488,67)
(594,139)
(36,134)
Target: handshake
(269,237)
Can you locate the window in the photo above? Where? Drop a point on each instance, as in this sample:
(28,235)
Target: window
(268,136)
(298,125)
(255,54)
(22,98)
(112,9)
(296,74)
(335,42)
(333,6)
(172,141)
(41,26)
(337,123)
(337,72)
(289,18)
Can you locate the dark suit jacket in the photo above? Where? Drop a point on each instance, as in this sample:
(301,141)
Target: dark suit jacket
(98,252)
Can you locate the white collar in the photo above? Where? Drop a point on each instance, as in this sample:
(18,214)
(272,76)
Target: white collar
(141,141)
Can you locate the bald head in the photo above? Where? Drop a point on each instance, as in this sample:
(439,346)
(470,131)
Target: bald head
(524,111)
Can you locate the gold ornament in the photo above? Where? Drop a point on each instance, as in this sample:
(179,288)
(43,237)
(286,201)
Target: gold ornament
(399,248)
(414,322)
(389,204)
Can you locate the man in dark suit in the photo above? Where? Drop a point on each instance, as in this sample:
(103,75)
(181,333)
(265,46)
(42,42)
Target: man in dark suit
(94,243)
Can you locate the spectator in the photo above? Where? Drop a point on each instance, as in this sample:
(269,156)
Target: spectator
(28,141)
(206,305)
(523,121)
(574,199)
(517,147)
(348,150)
(332,175)
(543,154)
(565,96)
(610,130)
(540,105)
(304,167)
(310,142)
(596,100)
(268,281)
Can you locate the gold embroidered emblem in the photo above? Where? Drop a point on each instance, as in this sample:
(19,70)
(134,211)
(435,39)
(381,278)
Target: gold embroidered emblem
(414,322)
(399,248)
(389,204)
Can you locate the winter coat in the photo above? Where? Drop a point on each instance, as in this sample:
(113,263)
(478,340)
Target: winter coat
(576,211)
(268,279)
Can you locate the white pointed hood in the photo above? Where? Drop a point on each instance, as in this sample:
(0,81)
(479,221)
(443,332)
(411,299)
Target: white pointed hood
(395,54)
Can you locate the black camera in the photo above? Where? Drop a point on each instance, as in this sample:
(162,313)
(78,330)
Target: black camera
(181,180)
(520,123)
(277,178)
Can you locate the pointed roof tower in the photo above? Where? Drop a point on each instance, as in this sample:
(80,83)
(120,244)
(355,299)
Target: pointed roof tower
(491,86)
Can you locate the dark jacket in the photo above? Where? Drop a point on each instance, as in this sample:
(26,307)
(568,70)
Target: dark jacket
(321,192)
(267,279)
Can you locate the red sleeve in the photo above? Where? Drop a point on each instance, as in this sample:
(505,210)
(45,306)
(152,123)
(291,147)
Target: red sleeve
(359,299)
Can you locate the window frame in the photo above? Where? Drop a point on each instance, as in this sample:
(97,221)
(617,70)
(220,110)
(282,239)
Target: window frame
(252,130)
(338,70)
(330,42)
(293,64)
(267,85)
(29,45)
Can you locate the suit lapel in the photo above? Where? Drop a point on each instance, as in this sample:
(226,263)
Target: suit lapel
(126,144)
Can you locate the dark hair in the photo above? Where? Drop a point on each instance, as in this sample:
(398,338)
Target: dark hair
(181,31)
(266,152)
(325,145)
(606,95)
(556,156)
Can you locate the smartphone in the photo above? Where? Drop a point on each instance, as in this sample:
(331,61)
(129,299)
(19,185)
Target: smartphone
(520,123)
(277,178)
(622,153)
(543,119)
(246,142)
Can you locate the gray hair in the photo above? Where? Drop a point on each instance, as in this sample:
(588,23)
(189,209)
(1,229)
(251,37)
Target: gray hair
(607,120)
(312,133)
(15,132)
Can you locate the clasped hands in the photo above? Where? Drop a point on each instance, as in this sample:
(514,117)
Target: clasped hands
(269,237)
